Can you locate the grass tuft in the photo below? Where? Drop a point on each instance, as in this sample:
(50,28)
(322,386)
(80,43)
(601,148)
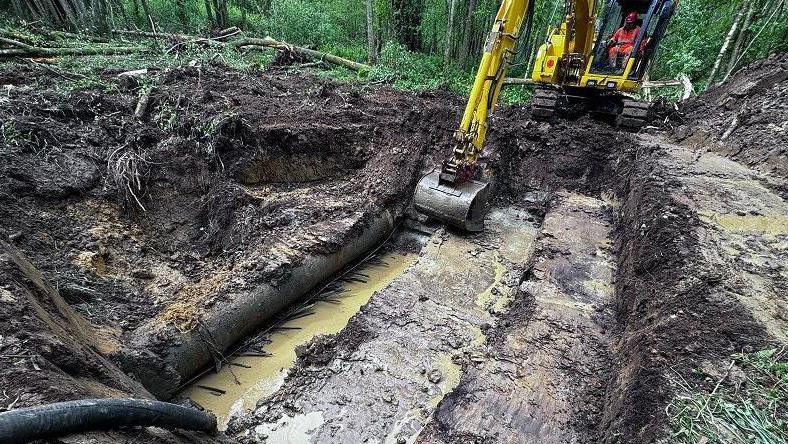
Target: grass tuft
(748,404)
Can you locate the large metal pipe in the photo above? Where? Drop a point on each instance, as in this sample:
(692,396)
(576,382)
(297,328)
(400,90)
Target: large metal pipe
(163,372)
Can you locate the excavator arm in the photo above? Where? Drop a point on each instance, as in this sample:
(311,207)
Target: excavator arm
(498,53)
(451,194)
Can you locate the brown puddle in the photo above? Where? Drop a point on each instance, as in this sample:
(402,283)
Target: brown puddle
(243,386)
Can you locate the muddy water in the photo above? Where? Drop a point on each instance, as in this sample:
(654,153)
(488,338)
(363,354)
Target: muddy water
(249,379)
(423,334)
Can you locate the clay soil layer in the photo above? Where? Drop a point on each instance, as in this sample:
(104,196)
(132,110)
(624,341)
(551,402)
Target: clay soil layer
(612,262)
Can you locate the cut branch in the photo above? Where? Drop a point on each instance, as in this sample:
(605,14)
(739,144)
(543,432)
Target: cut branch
(142,104)
(268,42)
(68,35)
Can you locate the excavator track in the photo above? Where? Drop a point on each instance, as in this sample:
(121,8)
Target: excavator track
(544,103)
(633,115)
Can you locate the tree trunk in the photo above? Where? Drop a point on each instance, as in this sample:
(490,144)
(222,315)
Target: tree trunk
(100,15)
(407,19)
(266,7)
(19,8)
(209,13)
(726,44)
(55,52)
(180,5)
(449,30)
(135,10)
(743,33)
(466,34)
(77,9)
(146,10)
(268,42)
(220,13)
(372,47)
(123,13)
(48,12)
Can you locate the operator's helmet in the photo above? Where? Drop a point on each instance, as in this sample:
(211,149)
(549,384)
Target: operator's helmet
(632,17)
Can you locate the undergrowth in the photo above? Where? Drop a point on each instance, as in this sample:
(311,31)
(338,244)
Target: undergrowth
(748,404)
(397,66)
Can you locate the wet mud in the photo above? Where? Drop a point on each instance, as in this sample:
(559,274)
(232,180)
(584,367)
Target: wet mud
(251,376)
(611,262)
(421,331)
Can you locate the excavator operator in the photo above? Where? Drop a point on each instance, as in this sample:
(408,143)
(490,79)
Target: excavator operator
(620,46)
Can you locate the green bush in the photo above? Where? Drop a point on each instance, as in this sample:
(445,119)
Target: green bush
(413,71)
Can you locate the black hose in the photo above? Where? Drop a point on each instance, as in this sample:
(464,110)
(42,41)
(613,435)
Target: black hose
(63,418)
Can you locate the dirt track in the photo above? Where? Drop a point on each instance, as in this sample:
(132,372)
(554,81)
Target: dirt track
(611,263)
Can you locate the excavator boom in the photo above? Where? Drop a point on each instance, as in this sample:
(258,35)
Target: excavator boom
(453,194)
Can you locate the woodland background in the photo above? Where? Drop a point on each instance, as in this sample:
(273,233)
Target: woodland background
(425,43)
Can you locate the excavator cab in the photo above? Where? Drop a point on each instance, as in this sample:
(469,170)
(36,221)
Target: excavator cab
(653,18)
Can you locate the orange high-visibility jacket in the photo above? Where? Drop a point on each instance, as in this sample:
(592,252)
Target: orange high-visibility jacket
(625,39)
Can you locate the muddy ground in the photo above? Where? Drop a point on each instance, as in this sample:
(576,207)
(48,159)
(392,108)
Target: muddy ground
(638,257)
(744,118)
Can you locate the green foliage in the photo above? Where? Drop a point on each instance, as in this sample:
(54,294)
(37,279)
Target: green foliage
(699,28)
(304,22)
(409,70)
(752,409)
(9,134)
(412,36)
(686,50)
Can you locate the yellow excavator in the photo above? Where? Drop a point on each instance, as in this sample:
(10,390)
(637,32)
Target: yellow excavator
(599,54)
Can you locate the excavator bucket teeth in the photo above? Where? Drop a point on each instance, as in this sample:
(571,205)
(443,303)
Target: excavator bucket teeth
(463,206)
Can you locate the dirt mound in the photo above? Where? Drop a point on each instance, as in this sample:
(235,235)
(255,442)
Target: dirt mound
(674,300)
(745,118)
(579,155)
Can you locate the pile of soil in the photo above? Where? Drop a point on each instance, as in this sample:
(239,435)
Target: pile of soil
(744,118)
(675,305)
(152,220)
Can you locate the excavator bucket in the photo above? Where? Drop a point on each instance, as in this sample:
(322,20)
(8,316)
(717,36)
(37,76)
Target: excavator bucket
(463,206)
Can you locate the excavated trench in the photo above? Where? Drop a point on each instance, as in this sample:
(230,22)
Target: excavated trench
(259,365)
(218,231)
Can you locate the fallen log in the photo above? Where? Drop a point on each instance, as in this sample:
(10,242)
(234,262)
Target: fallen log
(13,42)
(54,52)
(222,35)
(16,36)
(153,35)
(68,35)
(269,42)
(23,50)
